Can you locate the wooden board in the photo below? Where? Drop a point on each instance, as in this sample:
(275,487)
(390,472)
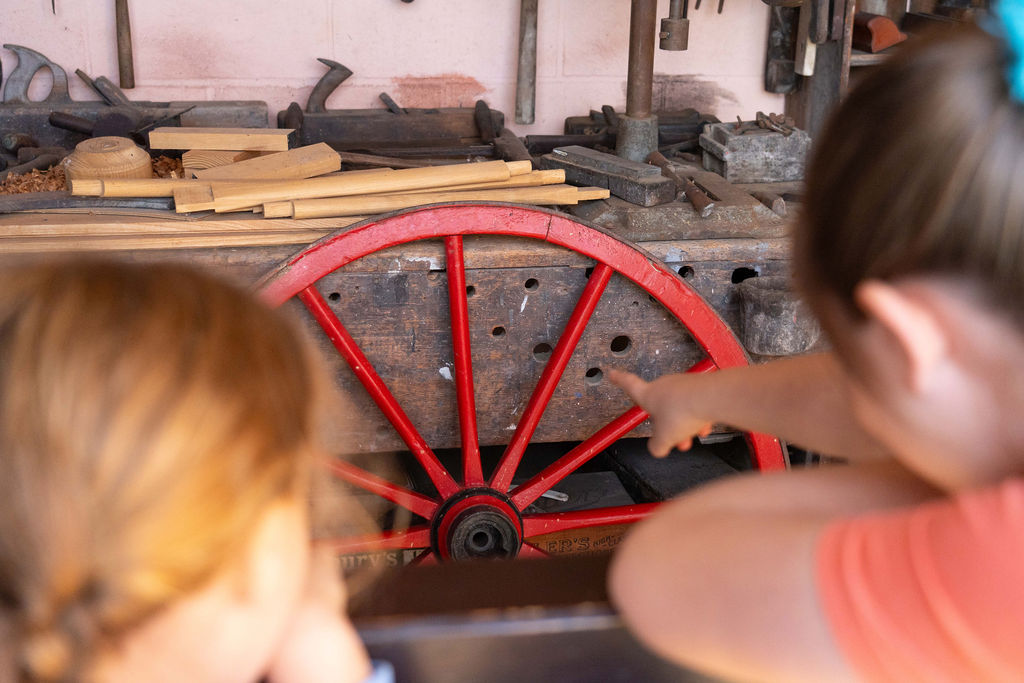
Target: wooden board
(199,159)
(302,162)
(77,225)
(238,139)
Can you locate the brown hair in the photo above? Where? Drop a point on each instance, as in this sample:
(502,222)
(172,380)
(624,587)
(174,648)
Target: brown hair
(149,416)
(921,171)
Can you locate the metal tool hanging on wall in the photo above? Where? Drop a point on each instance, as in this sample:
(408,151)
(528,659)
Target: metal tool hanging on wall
(125,62)
(526,74)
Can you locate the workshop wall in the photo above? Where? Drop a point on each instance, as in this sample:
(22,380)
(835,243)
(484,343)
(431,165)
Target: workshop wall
(425,53)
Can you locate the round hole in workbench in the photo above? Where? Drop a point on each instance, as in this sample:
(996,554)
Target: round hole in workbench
(334,296)
(620,345)
(531,284)
(498,331)
(470,290)
(542,351)
(741,274)
(686,272)
(593,376)
(589,271)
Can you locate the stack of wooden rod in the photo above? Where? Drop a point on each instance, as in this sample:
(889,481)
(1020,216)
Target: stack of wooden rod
(252,170)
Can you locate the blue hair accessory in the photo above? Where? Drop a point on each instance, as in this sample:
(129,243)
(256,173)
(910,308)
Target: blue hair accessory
(1007,23)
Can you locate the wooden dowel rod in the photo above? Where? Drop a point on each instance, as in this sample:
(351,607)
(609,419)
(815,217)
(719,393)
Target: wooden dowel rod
(146,187)
(519,167)
(532,179)
(278,210)
(350,206)
(226,199)
(19,245)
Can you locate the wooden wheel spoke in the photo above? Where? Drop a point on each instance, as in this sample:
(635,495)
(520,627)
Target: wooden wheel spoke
(472,473)
(550,522)
(551,375)
(408,539)
(381,395)
(531,490)
(399,495)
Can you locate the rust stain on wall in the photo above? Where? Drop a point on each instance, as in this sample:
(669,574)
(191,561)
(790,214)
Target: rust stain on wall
(443,90)
(680,92)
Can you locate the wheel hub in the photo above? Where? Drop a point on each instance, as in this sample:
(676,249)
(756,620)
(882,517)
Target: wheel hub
(477,524)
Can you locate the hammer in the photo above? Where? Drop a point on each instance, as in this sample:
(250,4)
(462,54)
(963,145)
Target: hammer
(702,204)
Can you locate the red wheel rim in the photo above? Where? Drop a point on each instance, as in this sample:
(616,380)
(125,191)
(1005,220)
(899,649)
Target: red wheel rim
(490,510)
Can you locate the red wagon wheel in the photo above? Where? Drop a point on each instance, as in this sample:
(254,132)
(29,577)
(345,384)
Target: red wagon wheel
(473,515)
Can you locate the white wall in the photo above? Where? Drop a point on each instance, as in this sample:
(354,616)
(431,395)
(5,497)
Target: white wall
(424,53)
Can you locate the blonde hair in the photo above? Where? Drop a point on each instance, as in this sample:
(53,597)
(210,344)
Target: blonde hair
(149,415)
(921,171)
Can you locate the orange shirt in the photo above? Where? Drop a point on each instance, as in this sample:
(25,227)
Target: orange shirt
(930,593)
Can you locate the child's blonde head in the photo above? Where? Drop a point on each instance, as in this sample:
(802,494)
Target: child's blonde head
(921,172)
(149,416)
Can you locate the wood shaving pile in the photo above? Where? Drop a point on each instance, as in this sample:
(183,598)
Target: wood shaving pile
(53,180)
(166,167)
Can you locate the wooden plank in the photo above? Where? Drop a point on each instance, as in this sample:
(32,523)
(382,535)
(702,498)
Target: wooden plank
(380,203)
(239,139)
(501,252)
(362,183)
(200,159)
(28,245)
(302,162)
(806,50)
(127,222)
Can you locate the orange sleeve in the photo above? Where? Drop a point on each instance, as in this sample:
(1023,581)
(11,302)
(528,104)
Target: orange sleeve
(930,593)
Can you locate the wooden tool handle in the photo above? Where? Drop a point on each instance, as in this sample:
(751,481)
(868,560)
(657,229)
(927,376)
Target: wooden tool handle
(534,179)
(347,185)
(125,62)
(702,203)
(350,206)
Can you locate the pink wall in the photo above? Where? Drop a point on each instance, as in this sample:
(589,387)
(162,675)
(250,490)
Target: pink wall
(425,53)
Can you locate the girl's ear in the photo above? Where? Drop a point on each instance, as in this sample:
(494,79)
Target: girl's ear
(911,323)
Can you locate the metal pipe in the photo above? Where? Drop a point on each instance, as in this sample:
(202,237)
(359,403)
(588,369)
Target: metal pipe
(675,9)
(643,18)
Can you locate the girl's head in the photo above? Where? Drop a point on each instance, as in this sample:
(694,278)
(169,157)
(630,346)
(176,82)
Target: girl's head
(150,419)
(920,172)
(911,251)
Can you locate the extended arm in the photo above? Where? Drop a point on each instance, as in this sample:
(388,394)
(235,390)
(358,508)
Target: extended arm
(723,579)
(801,400)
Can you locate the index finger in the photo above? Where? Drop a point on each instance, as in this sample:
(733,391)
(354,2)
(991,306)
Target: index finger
(628,382)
